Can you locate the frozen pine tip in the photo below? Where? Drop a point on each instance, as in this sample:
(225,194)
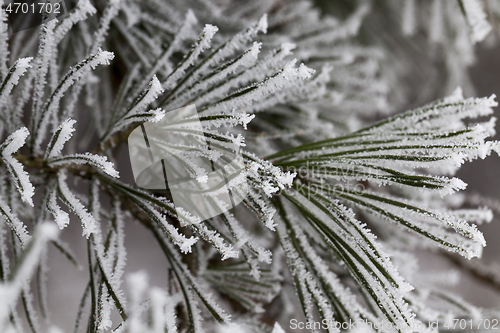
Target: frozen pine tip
(62,135)
(208,33)
(477,19)
(157,115)
(15,141)
(102,58)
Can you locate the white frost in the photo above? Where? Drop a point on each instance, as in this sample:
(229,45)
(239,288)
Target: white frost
(476,18)
(60,137)
(97,161)
(16,71)
(60,216)
(89,224)
(15,141)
